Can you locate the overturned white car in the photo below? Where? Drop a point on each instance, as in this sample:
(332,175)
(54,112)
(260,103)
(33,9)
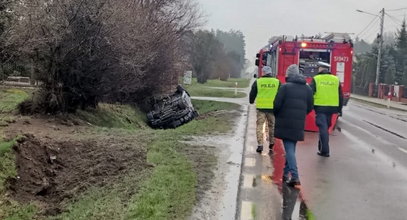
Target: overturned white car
(172,111)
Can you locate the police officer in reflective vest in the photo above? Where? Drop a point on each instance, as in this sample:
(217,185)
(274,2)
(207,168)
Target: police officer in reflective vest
(264,90)
(328,100)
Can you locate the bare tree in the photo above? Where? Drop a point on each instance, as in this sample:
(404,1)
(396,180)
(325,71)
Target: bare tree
(86,50)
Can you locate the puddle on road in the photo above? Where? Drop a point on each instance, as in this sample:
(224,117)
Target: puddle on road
(220,200)
(214,203)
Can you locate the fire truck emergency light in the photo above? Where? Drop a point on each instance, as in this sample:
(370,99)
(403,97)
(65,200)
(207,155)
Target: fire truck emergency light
(303,44)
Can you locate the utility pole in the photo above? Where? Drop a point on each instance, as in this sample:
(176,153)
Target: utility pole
(379,54)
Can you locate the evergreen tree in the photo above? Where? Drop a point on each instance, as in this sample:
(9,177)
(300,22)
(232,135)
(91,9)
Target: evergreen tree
(401,41)
(401,54)
(388,66)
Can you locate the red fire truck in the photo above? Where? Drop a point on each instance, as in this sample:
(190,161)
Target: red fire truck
(335,49)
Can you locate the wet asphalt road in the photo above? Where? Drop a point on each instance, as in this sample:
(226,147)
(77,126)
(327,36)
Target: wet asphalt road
(366,175)
(364,179)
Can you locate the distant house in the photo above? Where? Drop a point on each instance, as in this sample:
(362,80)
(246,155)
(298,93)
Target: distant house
(17,81)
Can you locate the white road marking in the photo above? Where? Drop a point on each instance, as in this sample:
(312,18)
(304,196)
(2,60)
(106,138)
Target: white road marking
(246,213)
(248,181)
(367,132)
(384,157)
(249,162)
(403,150)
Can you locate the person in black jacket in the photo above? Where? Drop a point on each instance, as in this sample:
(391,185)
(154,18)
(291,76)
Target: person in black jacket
(293,102)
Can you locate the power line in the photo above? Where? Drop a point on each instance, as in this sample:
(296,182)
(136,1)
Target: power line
(371,31)
(369,25)
(368,33)
(396,23)
(399,14)
(398,9)
(370,36)
(394,19)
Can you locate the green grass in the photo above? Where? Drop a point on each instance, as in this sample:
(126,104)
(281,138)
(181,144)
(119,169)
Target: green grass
(114,116)
(203,90)
(9,209)
(10,98)
(16,211)
(109,202)
(6,146)
(169,193)
(230,83)
(7,168)
(204,107)
(207,90)
(253,211)
(310,215)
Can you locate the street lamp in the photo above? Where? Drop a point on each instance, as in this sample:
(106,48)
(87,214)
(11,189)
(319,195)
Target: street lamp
(366,12)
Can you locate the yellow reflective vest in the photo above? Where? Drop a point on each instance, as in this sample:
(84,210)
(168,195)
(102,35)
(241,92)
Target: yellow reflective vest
(267,88)
(327,87)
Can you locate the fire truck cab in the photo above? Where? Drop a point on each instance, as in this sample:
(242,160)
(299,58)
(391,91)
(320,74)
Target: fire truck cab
(335,49)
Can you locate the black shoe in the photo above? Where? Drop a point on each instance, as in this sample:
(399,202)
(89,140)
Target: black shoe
(323,155)
(271,146)
(294,183)
(259,149)
(285,179)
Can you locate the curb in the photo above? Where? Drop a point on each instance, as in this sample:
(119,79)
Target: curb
(379,103)
(238,205)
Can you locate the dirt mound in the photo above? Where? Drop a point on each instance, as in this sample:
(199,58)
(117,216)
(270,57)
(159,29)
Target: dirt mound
(50,172)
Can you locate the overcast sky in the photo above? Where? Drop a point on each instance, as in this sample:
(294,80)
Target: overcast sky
(260,19)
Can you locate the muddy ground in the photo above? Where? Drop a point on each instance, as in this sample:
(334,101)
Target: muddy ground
(57,161)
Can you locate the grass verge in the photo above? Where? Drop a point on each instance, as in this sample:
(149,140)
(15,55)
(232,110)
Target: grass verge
(9,209)
(230,83)
(310,215)
(169,191)
(203,90)
(253,211)
(114,116)
(204,107)
(207,90)
(166,191)
(10,98)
